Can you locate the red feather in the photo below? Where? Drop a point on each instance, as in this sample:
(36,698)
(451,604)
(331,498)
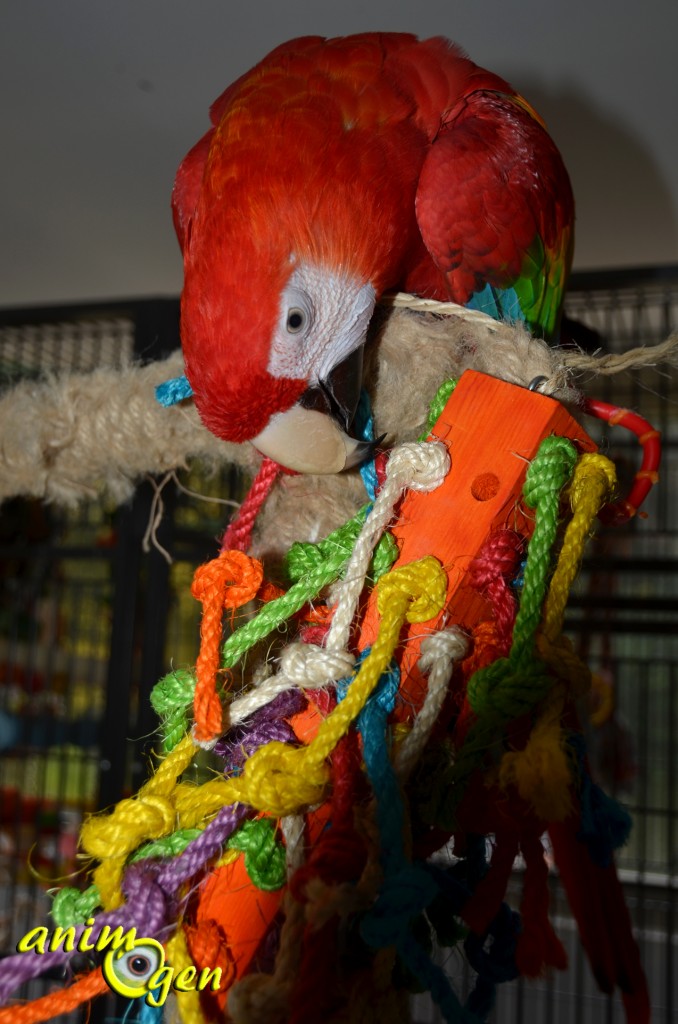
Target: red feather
(597,901)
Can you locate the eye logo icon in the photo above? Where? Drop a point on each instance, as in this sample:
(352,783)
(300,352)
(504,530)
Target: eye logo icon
(139,969)
(134,973)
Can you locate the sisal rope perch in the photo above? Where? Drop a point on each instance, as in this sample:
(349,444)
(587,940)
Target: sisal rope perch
(81,436)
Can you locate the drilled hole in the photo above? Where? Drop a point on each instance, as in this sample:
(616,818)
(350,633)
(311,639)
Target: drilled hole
(485,486)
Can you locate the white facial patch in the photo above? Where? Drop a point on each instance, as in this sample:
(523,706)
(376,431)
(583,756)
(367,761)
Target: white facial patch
(323,318)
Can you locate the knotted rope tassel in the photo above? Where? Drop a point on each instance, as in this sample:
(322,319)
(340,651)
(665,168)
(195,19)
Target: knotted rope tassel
(229,581)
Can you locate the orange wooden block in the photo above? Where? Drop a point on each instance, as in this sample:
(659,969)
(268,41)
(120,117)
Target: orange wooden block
(492,431)
(244,912)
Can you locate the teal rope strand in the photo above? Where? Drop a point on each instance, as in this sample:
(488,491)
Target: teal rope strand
(407,888)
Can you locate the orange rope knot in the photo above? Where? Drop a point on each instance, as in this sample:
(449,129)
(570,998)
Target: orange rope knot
(229,581)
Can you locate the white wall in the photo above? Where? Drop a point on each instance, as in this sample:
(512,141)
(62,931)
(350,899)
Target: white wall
(101,99)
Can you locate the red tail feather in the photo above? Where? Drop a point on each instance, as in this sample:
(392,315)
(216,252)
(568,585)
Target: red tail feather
(597,901)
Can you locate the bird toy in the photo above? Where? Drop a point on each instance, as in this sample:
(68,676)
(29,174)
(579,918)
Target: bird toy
(438,708)
(389,728)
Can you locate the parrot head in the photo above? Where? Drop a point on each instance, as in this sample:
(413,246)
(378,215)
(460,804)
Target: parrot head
(288,240)
(279,362)
(280,284)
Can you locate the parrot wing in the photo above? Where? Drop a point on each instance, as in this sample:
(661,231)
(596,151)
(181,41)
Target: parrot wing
(495,210)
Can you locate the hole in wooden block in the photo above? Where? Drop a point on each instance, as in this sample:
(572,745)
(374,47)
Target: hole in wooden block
(485,486)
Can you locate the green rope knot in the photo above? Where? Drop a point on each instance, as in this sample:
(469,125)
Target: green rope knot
(507,689)
(305,559)
(549,471)
(171,699)
(72,906)
(264,855)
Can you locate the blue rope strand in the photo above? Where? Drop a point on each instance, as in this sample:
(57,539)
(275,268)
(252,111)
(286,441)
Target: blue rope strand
(364,427)
(172,391)
(407,888)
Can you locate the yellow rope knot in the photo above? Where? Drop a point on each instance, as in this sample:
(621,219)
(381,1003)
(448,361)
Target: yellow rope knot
(281,779)
(541,771)
(593,483)
(416,590)
(148,817)
(111,838)
(563,660)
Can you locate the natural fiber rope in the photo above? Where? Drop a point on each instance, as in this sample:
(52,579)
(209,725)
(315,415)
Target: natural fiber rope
(439,653)
(70,438)
(285,784)
(616,362)
(606,364)
(404,300)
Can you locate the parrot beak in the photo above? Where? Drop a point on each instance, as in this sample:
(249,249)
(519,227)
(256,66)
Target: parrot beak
(313,436)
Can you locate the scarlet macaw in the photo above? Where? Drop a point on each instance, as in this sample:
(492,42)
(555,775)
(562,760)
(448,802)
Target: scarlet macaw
(335,170)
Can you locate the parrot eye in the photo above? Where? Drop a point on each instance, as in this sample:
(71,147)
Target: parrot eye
(297,319)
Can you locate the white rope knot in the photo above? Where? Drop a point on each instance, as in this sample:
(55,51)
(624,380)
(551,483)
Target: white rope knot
(419,465)
(438,654)
(446,645)
(310,666)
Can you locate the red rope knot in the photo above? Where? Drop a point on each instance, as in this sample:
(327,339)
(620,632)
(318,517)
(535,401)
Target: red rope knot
(229,581)
(491,573)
